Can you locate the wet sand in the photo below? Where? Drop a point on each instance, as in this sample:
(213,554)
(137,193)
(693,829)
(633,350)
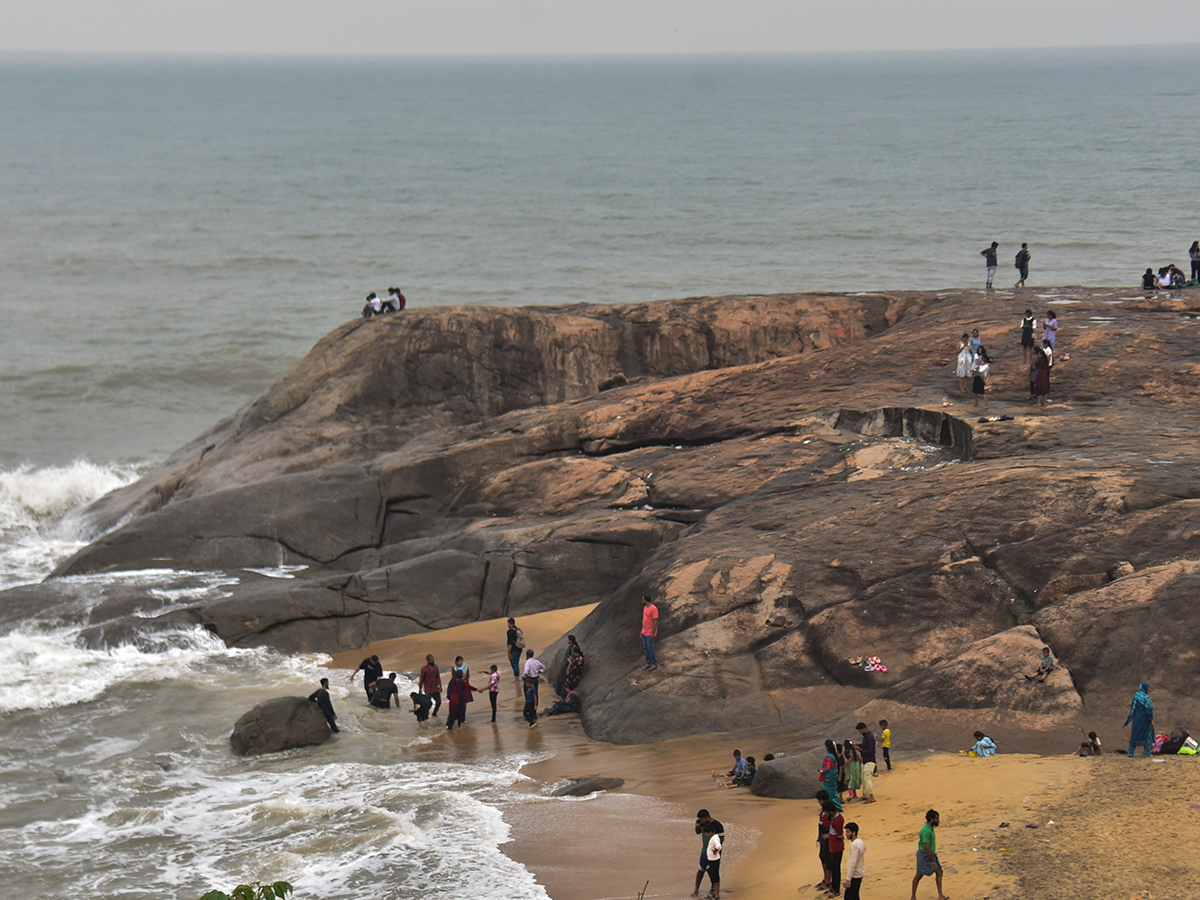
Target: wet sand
(641,836)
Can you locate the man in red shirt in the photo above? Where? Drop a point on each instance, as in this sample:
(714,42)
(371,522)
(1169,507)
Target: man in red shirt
(430,682)
(649,631)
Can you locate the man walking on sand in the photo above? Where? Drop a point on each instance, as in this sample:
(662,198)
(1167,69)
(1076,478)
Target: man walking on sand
(649,632)
(927,858)
(989,260)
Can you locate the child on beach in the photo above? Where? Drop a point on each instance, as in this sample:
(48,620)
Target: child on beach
(738,770)
(742,780)
(493,689)
(854,764)
(885,742)
(714,861)
(984,745)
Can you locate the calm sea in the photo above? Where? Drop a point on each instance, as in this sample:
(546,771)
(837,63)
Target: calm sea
(174,235)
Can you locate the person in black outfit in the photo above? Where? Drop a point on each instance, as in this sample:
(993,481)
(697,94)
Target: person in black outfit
(514,643)
(372,670)
(385,690)
(321,697)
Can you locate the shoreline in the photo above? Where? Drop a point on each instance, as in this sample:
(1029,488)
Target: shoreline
(639,837)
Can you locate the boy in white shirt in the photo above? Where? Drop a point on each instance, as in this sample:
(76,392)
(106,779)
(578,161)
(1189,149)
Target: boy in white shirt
(855,861)
(714,864)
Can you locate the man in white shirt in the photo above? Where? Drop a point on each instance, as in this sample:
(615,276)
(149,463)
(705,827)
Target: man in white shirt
(533,669)
(856,866)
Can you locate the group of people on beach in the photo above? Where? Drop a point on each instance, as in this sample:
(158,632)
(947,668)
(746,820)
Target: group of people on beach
(377,306)
(974,364)
(383,693)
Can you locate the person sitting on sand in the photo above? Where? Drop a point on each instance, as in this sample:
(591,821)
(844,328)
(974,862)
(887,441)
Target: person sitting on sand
(567,704)
(1095,743)
(984,745)
(1085,749)
(739,769)
(742,780)
(1046,666)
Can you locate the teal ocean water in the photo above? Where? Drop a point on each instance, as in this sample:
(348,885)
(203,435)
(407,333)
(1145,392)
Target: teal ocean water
(174,235)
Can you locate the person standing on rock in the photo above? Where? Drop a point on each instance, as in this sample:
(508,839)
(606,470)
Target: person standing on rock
(385,691)
(1022,264)
(1141,714)
(963,368)
(430,682)
(649,632)
(927,858)
(989,260)
(515,639)
(372,670)
(321,697)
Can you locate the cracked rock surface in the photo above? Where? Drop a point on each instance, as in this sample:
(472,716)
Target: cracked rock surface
(795,479)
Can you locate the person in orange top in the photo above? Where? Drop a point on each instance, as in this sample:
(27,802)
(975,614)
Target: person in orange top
(649,631)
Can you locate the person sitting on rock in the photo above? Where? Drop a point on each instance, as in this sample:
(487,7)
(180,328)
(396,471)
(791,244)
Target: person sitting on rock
(1046,666)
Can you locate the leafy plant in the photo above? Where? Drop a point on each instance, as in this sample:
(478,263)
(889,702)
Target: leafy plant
(279,890)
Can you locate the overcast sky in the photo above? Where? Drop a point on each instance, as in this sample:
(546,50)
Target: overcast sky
(582,26)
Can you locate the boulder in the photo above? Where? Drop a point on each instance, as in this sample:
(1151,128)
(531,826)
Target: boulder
(279,724)
(581,787)
(790,778)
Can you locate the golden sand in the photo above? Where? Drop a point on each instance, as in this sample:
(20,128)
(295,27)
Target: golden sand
(1098,821)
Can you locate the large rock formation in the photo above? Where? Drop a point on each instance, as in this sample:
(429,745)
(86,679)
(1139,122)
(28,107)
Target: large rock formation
(794,479)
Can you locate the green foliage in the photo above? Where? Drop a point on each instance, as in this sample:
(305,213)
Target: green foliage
(278,890)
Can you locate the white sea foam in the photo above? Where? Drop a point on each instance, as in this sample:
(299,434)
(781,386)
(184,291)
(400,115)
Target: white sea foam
(38,527)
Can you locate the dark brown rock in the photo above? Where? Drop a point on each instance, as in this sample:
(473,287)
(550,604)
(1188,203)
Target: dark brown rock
(581,787)
(280,724)
(749,461)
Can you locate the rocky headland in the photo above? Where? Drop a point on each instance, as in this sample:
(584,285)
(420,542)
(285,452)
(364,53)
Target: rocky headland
(795,479)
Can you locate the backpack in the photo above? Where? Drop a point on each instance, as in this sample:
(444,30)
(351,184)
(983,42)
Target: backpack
(519,643)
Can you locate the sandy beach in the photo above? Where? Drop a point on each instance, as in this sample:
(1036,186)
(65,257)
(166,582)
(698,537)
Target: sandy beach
(1013,826)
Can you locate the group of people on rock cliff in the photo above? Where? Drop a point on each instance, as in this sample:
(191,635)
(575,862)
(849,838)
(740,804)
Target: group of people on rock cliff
(376,306)
(973,367)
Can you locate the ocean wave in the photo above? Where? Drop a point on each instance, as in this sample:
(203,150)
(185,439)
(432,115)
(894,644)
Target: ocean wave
(38,507)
